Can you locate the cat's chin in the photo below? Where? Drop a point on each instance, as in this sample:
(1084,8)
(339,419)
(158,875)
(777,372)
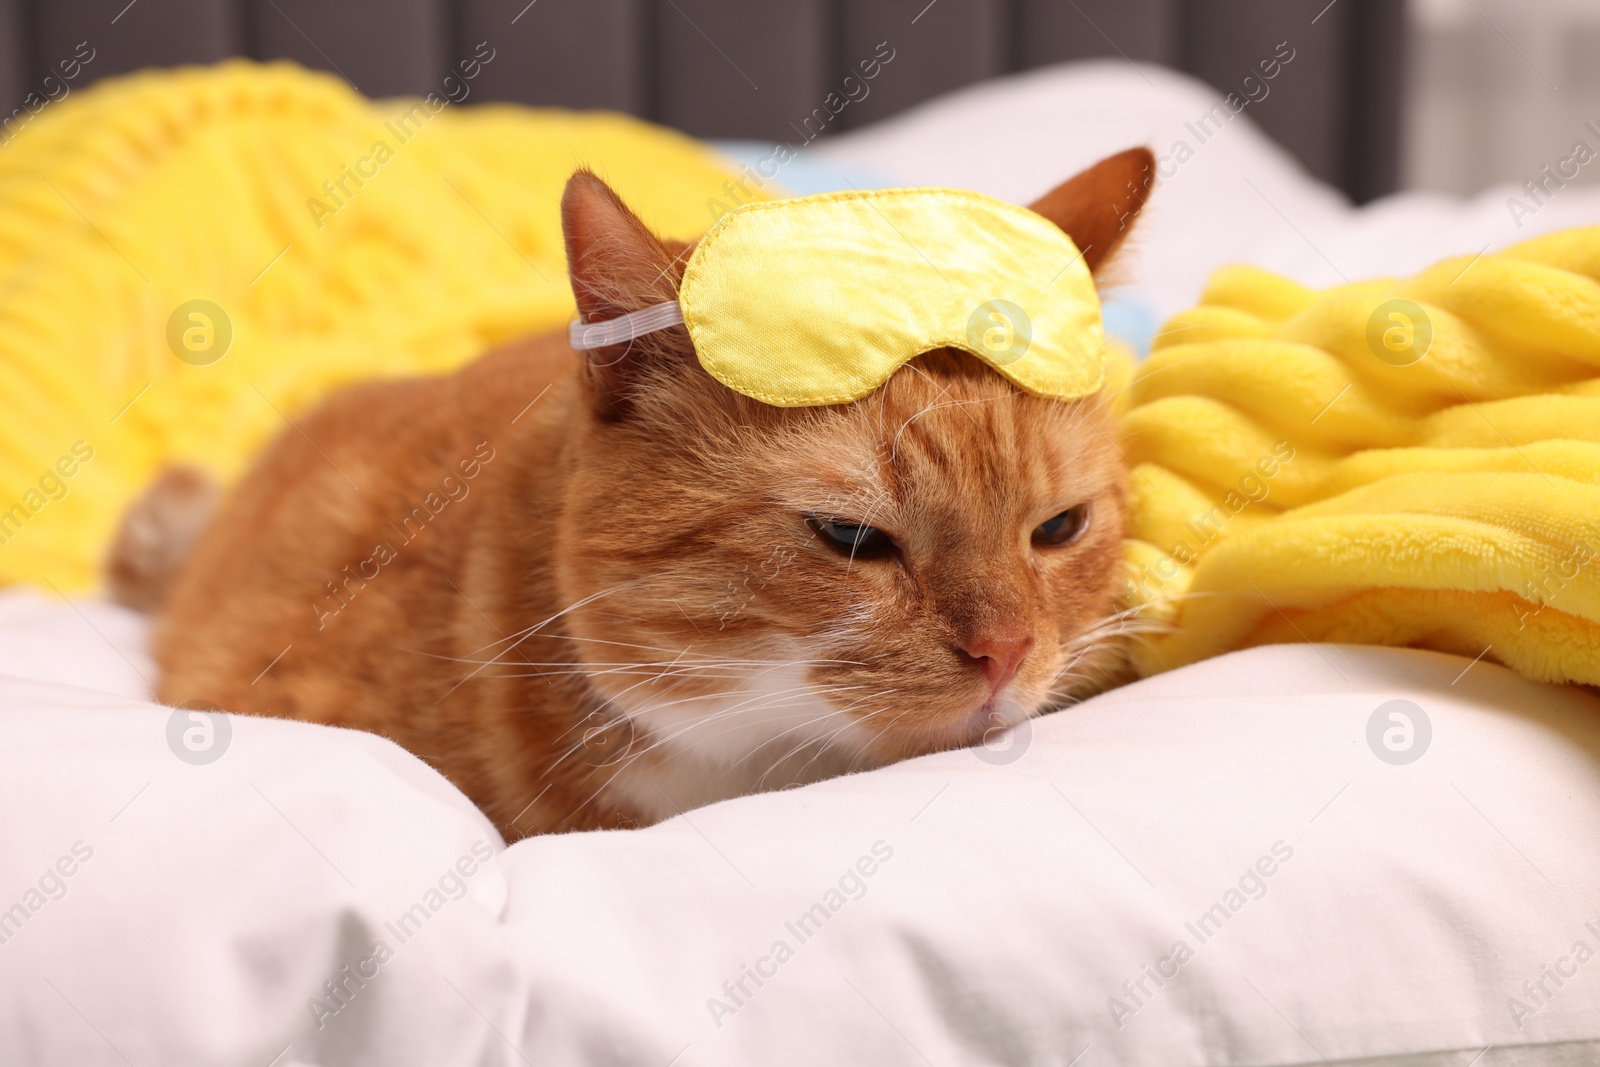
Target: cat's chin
(986,724)
(995,718)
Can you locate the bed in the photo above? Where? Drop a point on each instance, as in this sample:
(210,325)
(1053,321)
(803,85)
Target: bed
(1240,862)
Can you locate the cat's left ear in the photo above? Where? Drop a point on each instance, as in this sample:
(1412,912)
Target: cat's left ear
(618,266)
(1098,207)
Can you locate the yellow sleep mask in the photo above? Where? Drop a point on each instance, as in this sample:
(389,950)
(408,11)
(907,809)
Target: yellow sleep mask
(819,299)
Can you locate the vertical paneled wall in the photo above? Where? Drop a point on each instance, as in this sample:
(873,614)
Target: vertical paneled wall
(766,69)
(382,47)
(150,33)
(1376,53)
(562,53)
(1228,39)
(1050,31)
(1337,105)
(14,50)
(741,69)
(936,48)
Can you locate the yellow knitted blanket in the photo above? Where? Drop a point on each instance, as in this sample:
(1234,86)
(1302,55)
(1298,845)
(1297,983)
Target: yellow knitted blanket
(1399,462)
(188,259)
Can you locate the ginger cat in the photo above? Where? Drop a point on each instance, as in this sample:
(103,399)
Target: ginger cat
(597,592)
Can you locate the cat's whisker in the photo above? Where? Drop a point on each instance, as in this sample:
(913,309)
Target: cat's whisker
(824,746)
(764,662)
(944,391)
(866,520)
(736,667)
(572,637)
(667,672)
(746,707)
(757,701)
(894,445)
(1133,611)
(1097,656)
(633,757)
(809,722)
(638,594)
(617,696)
(820,746)
(826,743)
(530,631)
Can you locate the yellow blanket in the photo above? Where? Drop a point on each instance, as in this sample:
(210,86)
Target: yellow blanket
(329,238)
(1399,462)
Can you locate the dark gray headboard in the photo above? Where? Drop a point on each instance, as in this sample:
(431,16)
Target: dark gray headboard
(748,68)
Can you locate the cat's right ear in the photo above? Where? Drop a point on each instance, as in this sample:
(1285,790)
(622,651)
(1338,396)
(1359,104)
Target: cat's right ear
(618,266)
(1097,207)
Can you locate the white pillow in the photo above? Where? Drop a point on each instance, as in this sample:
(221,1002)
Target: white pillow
(970,907)
(1238,198)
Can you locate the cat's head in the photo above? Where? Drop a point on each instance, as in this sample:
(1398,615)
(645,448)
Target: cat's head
(891,576)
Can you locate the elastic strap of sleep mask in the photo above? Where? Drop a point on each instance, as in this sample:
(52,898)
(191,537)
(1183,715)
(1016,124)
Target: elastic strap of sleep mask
(585,336)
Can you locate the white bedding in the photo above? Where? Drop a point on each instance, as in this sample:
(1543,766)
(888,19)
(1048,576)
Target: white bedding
(187,888)
(962,908)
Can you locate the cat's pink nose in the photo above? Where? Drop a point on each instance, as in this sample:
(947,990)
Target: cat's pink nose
(998,655)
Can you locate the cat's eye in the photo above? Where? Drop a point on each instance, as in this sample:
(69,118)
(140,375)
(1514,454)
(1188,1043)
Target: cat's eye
(1063,528)
(850,538)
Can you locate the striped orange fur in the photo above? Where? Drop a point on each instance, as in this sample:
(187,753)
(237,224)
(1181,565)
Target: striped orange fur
(593,593)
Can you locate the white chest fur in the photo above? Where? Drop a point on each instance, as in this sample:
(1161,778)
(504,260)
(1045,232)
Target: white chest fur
(775,731)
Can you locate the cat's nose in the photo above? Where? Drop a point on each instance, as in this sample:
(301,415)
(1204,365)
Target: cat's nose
(998,655)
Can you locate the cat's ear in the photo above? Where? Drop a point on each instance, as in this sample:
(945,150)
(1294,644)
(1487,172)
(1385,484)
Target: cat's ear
(617,266)
(1097,207)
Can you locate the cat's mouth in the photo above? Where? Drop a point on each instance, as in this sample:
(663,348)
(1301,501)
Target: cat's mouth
(986,724)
